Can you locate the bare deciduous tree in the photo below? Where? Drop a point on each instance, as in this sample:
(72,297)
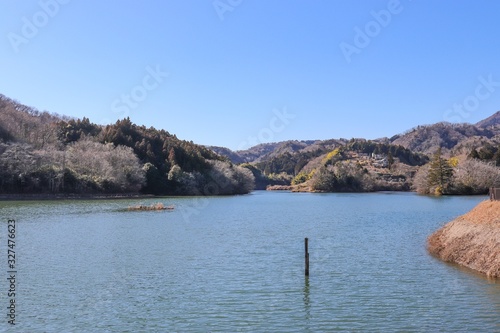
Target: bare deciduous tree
(475,177)
(106,165)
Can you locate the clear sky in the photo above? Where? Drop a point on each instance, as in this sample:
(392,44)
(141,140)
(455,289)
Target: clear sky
(235,73)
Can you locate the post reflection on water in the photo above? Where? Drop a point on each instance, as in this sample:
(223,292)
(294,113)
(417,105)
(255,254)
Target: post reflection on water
(306,298)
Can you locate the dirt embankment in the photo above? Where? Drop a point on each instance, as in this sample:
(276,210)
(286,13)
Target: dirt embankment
(471,240)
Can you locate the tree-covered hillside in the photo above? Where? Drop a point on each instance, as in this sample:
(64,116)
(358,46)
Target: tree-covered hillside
(382,164)
(49,153)
(379,163)
(46,153)
(427,139)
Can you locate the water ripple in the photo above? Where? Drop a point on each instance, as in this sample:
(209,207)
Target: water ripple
(237,266)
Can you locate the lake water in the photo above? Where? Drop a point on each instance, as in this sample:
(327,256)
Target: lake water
(236,264)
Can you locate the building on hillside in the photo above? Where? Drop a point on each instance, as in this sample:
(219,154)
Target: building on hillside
(382,163)
(378,156)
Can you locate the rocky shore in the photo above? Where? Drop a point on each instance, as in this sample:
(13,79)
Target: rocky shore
(471,240)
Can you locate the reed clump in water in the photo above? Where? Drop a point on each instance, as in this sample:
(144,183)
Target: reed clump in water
(471,240)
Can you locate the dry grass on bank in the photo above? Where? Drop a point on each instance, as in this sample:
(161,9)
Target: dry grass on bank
(485,212)
(471,240)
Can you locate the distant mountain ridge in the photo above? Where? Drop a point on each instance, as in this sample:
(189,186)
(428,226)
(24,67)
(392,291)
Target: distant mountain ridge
(491,121)
(363,165)
(266,151)
(427,139)
(452,138)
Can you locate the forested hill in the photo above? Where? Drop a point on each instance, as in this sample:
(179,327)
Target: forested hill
(48,153)
(454,139)
(360,164)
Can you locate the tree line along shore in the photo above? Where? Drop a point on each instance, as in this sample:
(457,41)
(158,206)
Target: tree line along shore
(43,153)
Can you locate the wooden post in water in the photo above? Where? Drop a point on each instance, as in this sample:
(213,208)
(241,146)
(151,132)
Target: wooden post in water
(306,241)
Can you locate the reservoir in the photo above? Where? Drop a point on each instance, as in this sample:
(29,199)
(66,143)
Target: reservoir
(236,264)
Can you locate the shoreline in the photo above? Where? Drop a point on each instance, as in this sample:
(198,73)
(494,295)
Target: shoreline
(48,196)
(118,196)
(471,240)
(295,189)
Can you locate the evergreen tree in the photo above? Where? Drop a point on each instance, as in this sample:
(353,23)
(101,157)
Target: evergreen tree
(496,157)
(440,173)
(486,153)
(390,159)
(473,154)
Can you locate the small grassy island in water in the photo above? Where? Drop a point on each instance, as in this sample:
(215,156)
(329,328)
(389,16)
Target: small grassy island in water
(155,206)
(471,240)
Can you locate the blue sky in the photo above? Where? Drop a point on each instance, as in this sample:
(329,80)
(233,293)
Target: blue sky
(235,73)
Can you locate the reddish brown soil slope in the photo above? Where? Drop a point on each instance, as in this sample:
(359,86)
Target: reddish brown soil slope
(471,240)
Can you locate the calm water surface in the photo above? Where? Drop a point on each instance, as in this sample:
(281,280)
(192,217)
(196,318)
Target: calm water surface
(235,264)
